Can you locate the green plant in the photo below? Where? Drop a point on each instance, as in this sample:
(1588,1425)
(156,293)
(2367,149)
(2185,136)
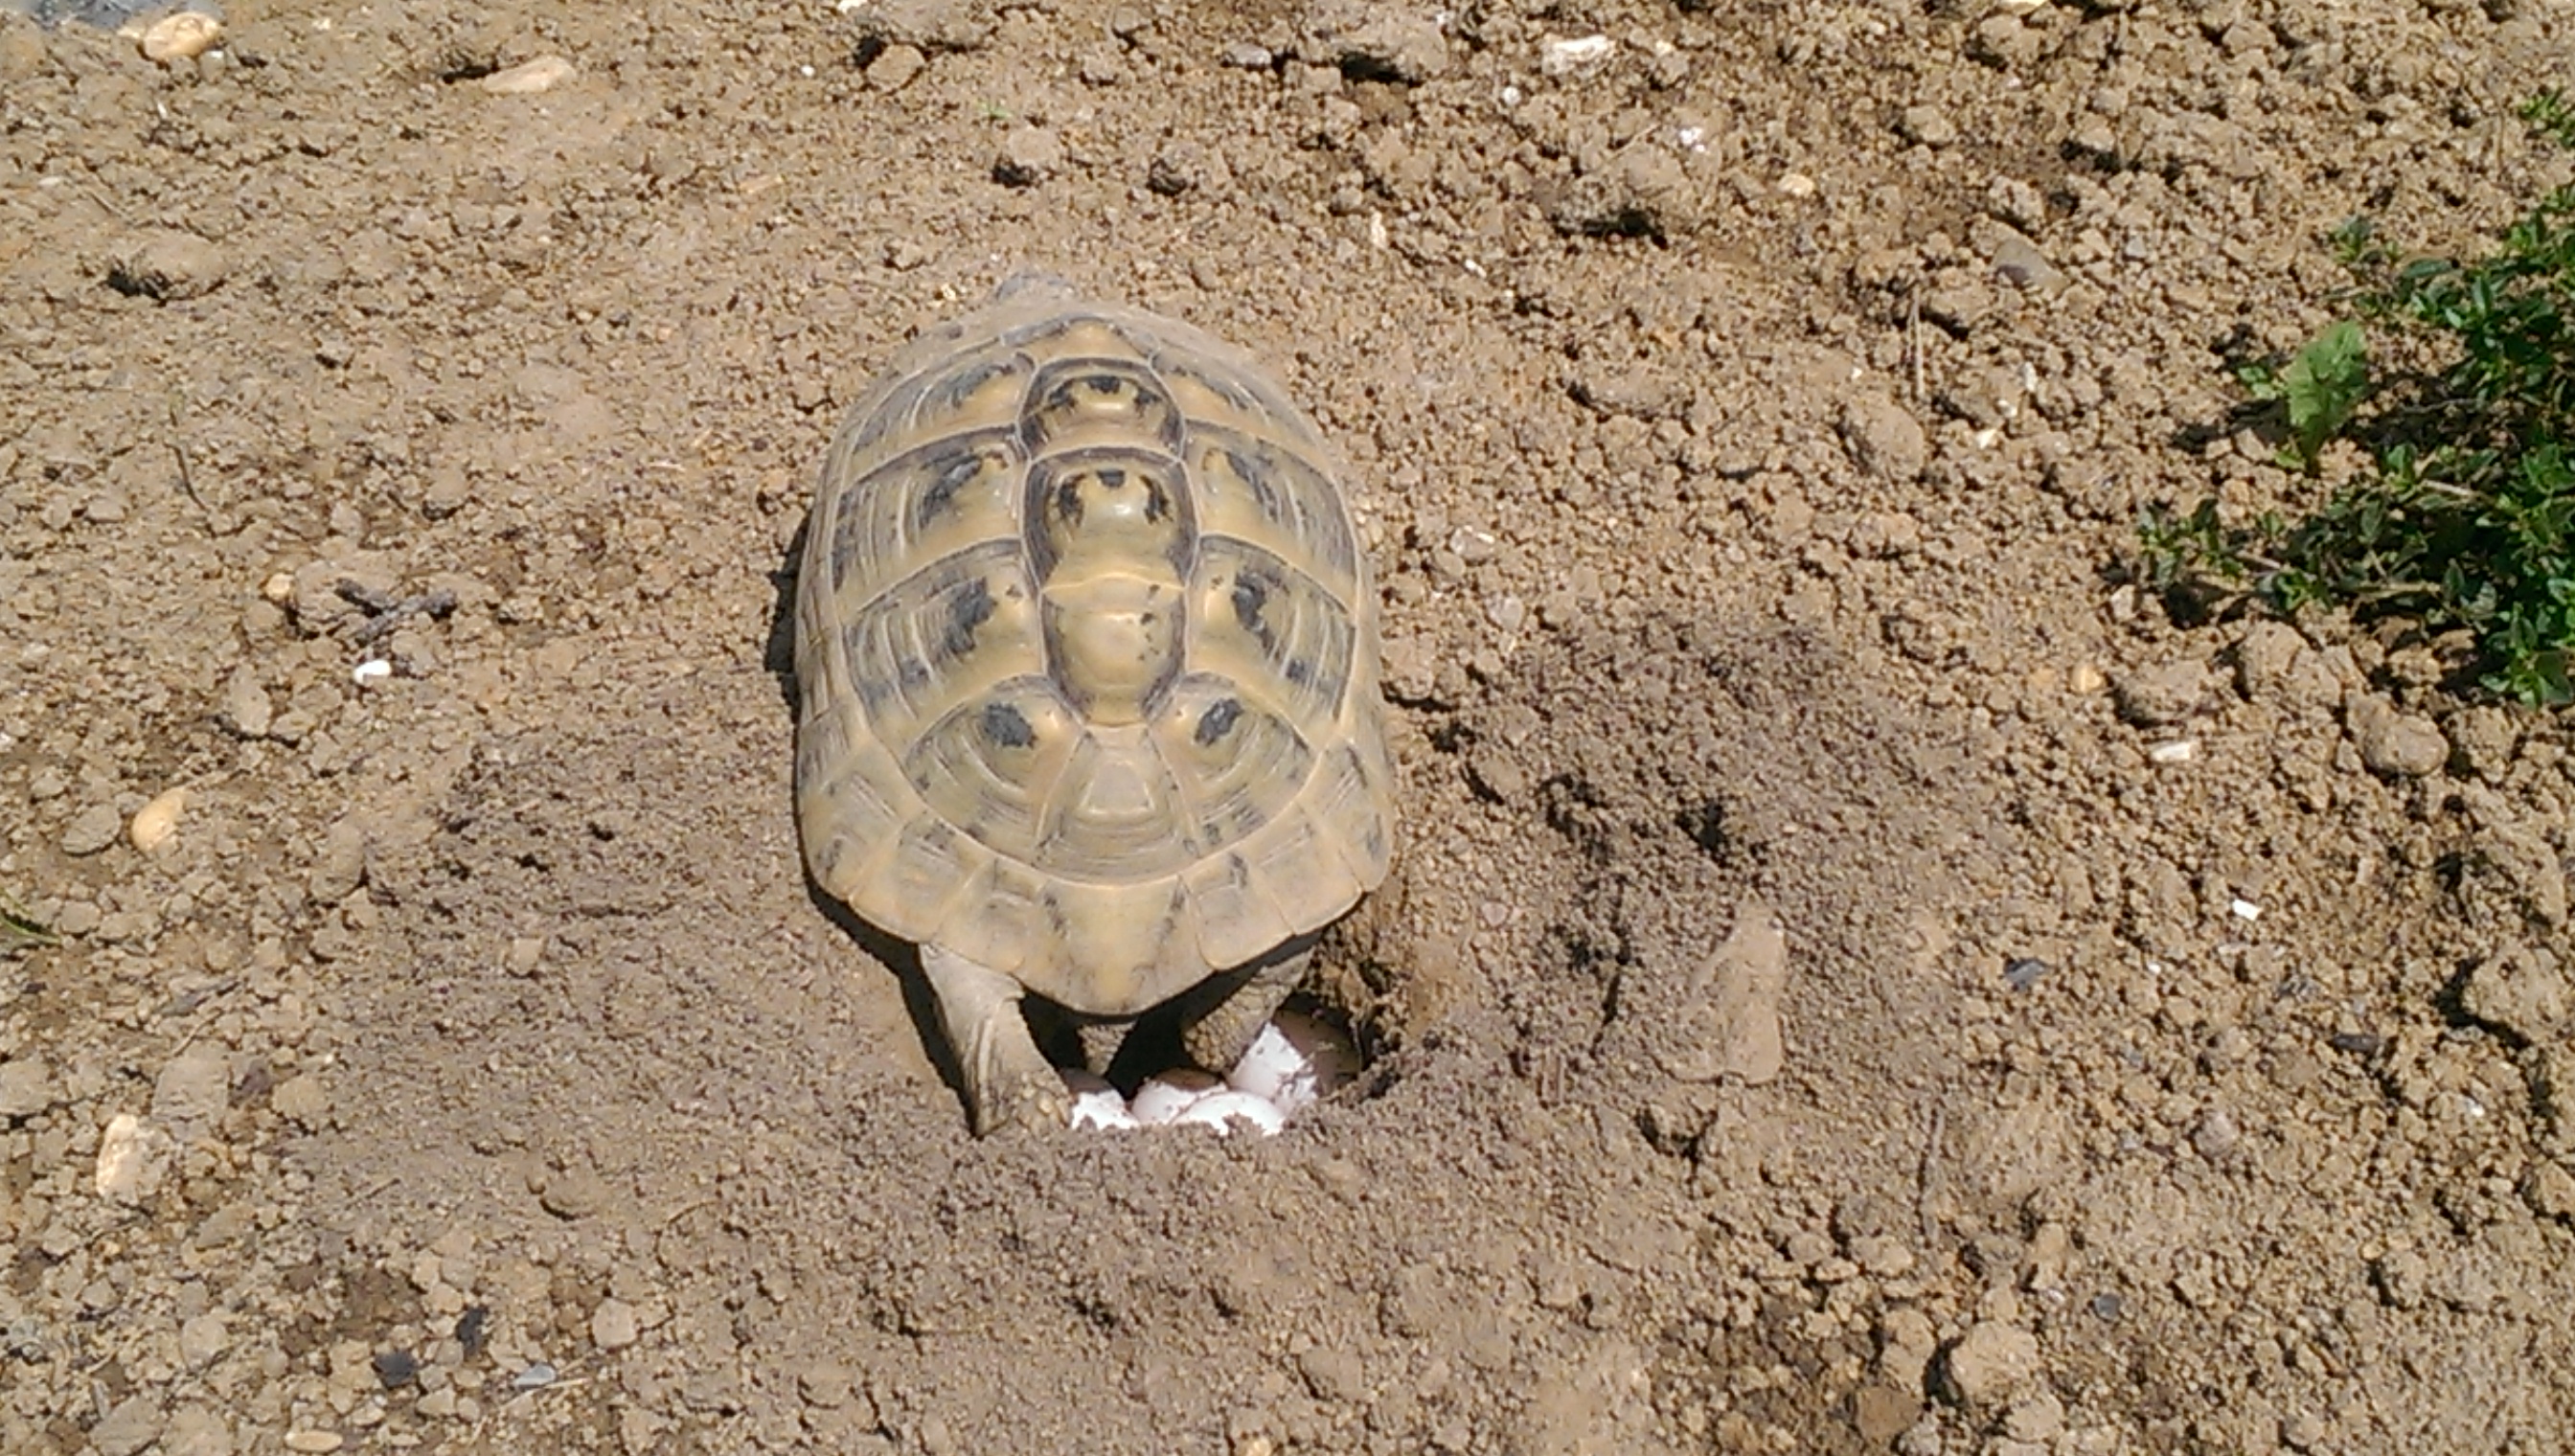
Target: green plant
(2322,386)
(20,931)
(2464,514)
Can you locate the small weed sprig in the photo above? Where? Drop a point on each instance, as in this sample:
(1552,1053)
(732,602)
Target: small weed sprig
(2465,514)
(20,931)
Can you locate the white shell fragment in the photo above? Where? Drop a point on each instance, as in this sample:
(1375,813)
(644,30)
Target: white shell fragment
(373,669)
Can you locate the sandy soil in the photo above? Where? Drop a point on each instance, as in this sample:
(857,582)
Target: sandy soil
(1825,1009)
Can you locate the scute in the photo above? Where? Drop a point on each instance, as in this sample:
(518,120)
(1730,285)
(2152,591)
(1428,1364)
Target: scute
(1108,848)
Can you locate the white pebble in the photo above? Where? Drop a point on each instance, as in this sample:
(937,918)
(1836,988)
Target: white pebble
(156,822)
(1221,1109)
(2179,752)
(373,669)
(1563,57)
(2245,909)
(528,77)
(181,37)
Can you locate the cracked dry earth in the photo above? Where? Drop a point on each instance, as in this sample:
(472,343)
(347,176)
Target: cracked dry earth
(1862,977)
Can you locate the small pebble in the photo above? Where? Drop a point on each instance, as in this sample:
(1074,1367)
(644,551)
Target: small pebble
(132,1427)
(1991,1363)
(528,77)
(2023,973)
(313,1443)
(396,1368)
(1030,155)
(156,822)
(130,1152)
(894,66)
(614,1325)
(535,1377)
(2162,694)
(1558,57)
(245,709)
(1928,126)
(165,264)
(2400,745)
(202,1338)
(26,1088)
(92,830)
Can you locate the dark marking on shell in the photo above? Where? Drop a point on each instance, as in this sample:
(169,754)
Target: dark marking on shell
(942,492)
(849,543)
(1216,722)
(969,609)
(1068,502)
(1250,597)
(1256,474)
(1007,726)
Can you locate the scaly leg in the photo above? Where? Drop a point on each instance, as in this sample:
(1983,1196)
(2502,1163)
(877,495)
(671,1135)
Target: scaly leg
(1217,1035)
(1009,1083)
(1100,1042)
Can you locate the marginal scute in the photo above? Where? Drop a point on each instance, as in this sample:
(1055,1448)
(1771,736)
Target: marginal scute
(1087,659)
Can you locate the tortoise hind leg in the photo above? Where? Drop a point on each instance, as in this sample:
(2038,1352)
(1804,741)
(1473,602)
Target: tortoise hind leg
(1009,1083)
(1218,1034)
(1100,1041)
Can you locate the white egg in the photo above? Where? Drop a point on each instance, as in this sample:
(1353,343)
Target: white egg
(1103,1109)
(1269,1066)
(1221,1109)
(1095,1102)
(1293,1063)
(1165,1096)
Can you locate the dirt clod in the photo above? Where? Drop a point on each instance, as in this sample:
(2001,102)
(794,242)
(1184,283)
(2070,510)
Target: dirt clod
(2405,745)
(1990,1366)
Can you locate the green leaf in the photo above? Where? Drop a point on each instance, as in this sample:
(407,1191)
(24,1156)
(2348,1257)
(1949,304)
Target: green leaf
(2323,385)
(18,930)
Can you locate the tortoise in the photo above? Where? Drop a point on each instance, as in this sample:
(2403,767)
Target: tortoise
(1086,657)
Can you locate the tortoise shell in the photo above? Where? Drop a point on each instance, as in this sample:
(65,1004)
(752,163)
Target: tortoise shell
(1087,652)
